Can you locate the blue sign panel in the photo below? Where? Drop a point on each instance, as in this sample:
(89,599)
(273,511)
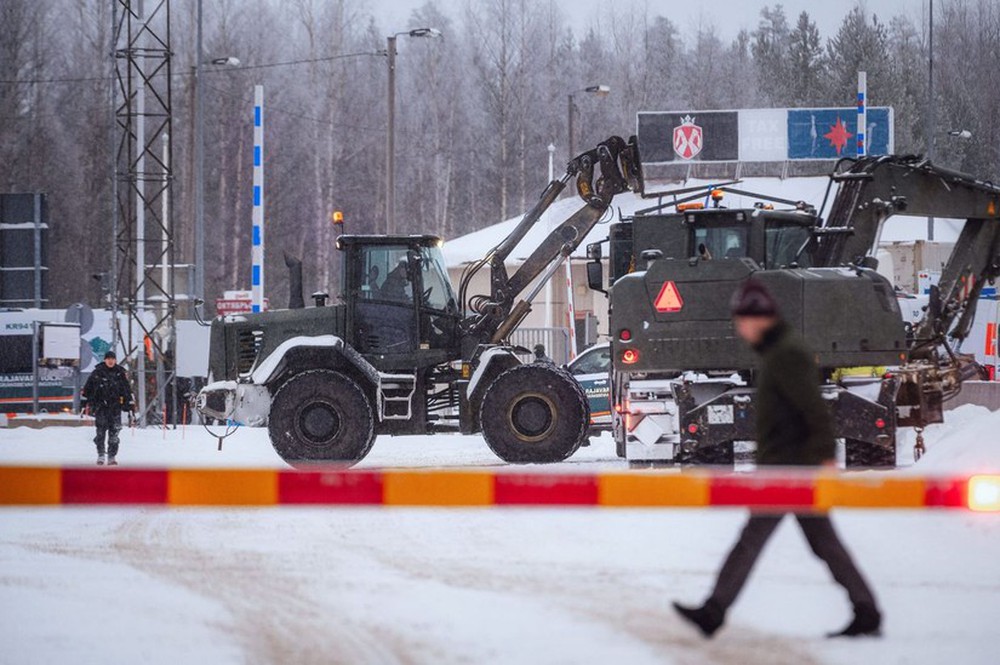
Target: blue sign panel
(831,133)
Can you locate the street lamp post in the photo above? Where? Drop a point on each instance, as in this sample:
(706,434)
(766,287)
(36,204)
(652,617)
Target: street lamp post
(390,142)
(199,157)
(600,91)
(930,100)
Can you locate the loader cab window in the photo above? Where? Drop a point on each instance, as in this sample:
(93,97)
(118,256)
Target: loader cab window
(715,242)
(437,292)
(439,314)
(384,317)
(385,275)
(783,243)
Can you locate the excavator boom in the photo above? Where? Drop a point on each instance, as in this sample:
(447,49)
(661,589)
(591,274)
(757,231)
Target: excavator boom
(873,189)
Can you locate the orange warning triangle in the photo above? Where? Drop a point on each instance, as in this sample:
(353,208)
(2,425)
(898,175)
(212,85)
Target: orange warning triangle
(669,299)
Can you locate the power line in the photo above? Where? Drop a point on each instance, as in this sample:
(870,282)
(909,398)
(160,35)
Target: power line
(307,60)
(270,107)
(265,65)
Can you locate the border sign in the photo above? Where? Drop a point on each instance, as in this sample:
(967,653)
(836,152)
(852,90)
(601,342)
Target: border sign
(761,135)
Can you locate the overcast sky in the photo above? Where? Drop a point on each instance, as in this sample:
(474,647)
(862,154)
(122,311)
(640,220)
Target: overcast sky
(730,15)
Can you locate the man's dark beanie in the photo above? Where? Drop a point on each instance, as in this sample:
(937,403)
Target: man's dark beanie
(110,354)
(753,299)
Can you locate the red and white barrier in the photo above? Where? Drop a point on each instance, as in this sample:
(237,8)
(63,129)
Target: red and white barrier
(787,491)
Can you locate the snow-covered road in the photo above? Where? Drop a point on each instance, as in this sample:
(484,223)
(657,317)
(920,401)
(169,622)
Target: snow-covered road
(474,586)
(381,585)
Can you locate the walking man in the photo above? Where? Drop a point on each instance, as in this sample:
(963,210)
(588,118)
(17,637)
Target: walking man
(794,428)
(107,393)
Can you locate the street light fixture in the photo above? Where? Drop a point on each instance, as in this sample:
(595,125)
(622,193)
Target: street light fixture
(600,91)
(390,144)
(199,156)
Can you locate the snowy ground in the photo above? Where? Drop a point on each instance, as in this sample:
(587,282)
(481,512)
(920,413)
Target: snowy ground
(116,585)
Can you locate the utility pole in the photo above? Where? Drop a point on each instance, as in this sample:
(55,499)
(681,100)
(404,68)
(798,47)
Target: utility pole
(199,167)
(570,109)
(548,282)
(600,91)
(390,142)
(930,101)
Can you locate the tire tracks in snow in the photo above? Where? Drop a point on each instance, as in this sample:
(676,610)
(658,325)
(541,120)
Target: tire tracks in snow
(270,612)
(600,594)
(273,615)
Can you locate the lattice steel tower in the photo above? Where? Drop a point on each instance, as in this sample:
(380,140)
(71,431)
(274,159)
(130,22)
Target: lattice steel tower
(142,263)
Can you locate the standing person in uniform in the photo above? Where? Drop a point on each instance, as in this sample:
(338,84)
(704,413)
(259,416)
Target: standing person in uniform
(107,393)
(794,428)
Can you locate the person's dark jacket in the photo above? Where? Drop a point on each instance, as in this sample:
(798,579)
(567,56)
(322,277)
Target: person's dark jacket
(107,388)
(794,425)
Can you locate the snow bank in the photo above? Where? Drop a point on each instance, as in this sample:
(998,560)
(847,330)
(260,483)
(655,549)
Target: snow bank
(192,446)
(968,441)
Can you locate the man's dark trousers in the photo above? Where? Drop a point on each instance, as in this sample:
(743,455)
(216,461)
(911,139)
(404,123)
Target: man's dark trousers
(823,540)
(109,423)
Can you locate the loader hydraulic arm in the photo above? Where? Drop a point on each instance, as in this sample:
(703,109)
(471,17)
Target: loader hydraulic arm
(495,316)
(873,189)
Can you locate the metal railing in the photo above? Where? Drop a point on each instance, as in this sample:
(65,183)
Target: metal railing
(555,341)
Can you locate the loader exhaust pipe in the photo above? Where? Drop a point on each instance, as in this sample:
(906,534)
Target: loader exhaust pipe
(294,265)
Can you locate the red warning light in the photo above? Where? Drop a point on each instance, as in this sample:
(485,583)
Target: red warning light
(879,423)
(669,299)
(630,356)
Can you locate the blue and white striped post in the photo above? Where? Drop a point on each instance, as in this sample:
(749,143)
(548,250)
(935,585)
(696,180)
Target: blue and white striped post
(257,258)
(862,126)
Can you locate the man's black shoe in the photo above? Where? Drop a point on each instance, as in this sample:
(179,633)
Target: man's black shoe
(708,617)
(867,621)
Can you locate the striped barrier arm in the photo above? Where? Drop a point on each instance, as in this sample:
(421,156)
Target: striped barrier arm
(790,491)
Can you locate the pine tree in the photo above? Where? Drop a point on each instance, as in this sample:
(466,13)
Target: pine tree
(770,51)
(860,45)
(805,64)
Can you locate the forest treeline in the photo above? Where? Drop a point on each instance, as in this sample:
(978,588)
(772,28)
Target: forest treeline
(477,109)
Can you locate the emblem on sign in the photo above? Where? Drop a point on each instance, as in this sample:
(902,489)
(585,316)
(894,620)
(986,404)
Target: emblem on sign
(687,138)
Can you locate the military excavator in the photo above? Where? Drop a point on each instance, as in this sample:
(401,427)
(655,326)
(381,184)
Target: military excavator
(399,353)
(683,383)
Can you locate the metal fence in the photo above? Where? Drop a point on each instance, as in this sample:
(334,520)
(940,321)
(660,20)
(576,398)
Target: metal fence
(555,341)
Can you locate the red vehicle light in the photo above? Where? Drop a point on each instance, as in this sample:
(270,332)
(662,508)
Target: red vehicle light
(630,356)
(625,335)
(879,423)
(692,429)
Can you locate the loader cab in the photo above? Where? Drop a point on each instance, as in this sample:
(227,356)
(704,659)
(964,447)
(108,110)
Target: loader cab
(401,308)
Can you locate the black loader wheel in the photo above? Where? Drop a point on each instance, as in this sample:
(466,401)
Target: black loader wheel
(321,417)
(864,455)
(534,414)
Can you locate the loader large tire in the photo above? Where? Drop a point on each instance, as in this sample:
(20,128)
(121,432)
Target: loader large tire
(534,414)
(864,455)
(321,417)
